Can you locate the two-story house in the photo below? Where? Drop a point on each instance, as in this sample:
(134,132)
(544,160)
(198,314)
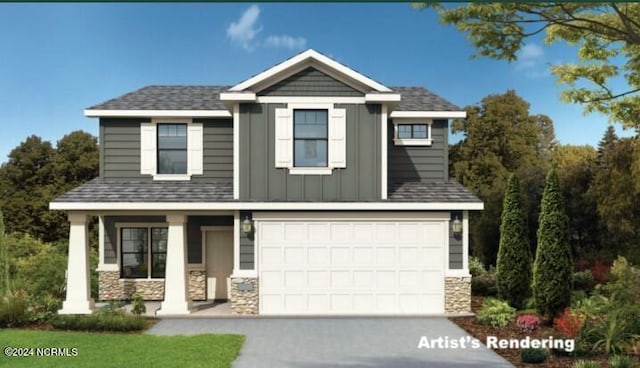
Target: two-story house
(308,188)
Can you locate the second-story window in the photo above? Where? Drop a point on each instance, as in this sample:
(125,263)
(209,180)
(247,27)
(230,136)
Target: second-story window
(412,131)
(310,134)
(172,148)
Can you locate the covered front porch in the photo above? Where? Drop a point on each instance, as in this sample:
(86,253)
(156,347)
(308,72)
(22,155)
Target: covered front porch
(173,259)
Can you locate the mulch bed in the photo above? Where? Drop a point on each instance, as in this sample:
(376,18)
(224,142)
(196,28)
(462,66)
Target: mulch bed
(511,331)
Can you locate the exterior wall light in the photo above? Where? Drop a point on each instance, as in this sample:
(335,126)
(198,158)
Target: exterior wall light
(456,226)
(247,225)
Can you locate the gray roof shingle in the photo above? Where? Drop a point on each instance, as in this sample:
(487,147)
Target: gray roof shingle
(450,191)
(207,98)
(421,99)
(99,190)
(167,98)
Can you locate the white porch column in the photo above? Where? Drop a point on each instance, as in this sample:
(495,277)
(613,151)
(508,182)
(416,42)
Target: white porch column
(78,300)
(176,290)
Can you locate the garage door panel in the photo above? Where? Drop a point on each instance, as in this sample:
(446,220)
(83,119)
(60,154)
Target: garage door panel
(351,267)
(318,256)
(340,279)
(385,255)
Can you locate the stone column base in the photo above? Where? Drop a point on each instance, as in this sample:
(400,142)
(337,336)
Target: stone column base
(457,294)
(244,296)
(111,286)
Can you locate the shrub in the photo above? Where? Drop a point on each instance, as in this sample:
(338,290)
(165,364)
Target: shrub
(586,364)
(14,310)
(624,286)
(577,296)
(495,312)
(137,305)
(484,285)
(599,271)
(569,323)
(583,280)
(513,276)
(611,333)
(533,356)
(528,322)
(553,266)
(622,361)
(476,267)
(100,322)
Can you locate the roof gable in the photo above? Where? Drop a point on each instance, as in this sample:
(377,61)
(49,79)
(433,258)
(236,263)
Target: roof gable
(304,60)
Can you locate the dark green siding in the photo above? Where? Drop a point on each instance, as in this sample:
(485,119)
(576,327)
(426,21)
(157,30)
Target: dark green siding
(120,149)
(194,234)
(455,244)
(260,180)
(419,163)
(310,82)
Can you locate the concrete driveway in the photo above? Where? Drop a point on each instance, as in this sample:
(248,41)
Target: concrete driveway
(343,342)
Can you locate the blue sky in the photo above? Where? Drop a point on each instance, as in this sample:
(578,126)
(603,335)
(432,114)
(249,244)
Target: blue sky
(57,59)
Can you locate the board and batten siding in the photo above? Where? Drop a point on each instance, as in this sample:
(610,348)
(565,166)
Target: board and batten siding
(260,180)
(120,149)
(419,163)
(310,82)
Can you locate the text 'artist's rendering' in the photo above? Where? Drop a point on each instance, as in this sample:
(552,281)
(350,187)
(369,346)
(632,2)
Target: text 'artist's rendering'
(307,189)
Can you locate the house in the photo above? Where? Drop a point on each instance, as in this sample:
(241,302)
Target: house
(307,189)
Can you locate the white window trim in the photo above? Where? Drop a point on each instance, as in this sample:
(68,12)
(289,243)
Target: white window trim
(148,225)
(300,170)
(172,177)
(412,141)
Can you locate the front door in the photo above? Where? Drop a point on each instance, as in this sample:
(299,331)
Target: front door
(219,263)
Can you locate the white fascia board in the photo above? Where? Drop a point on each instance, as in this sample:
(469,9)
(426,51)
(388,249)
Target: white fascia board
(302,57)
(211,206)
(238,96)
(429,114)
(157,113)
(382,97)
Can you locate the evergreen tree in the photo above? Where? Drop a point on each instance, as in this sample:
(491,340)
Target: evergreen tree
(4,260)
(514,258)
(553,266)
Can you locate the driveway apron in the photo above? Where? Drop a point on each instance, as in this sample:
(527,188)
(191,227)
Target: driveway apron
(338,342)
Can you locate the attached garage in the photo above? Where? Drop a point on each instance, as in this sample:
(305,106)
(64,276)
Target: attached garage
(366,263)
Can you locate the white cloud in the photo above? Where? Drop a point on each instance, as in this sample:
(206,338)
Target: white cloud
(286,41)
(245,29)
(530,55)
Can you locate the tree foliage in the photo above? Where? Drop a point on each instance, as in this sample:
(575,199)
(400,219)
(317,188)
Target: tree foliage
(36,173)
(499,137)
(607,36)
(514,258)
(553,264)
(4,260)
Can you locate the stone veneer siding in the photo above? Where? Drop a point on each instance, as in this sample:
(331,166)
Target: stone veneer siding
(457,294)
(244,302)
(110,286)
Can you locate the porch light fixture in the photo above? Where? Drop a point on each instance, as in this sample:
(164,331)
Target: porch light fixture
(247,225)
(456,226)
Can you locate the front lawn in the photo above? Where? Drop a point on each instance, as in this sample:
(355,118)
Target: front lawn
(121,350)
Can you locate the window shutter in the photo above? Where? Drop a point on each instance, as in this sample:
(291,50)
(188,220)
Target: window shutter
(194,148)
(284,138)
(337,138)
(148,153)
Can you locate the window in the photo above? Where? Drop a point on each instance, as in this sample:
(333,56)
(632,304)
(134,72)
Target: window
(143,252)
(412,133)
(310,138)
(172,148)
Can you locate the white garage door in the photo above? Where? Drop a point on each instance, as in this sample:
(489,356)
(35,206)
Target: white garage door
(347,266)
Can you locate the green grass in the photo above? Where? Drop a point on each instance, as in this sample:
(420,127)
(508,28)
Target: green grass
(122,350)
